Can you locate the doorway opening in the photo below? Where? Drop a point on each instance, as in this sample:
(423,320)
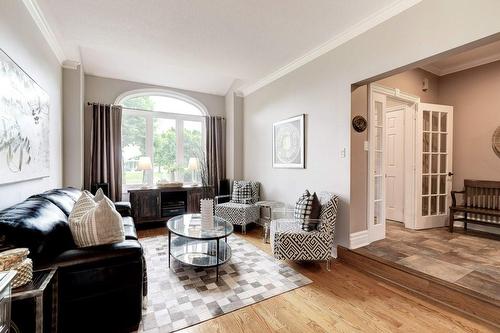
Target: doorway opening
(430,130)
(409,160)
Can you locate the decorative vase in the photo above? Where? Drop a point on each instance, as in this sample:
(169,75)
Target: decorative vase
(207,213)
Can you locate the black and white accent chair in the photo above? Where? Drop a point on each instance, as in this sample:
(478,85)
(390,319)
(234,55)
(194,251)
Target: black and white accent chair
(237,213)
(290,242)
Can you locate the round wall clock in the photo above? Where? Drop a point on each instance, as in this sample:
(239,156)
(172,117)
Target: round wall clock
(359,123)
(495,141)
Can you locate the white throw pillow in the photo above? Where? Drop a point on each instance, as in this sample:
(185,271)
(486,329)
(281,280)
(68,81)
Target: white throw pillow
(99,195)
(95,223)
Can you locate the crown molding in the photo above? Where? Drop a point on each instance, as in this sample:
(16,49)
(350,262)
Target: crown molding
(239,93)
(70,64)
(463,66)
(37,15)
(433,69)
(355,30)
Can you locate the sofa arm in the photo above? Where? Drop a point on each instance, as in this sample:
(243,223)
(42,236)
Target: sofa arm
(93,280)
(124,208)
(453,198)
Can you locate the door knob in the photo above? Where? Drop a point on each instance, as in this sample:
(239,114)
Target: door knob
(450,173)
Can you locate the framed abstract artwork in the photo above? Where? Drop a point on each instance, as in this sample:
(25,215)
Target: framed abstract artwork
(288,143)
(24,125)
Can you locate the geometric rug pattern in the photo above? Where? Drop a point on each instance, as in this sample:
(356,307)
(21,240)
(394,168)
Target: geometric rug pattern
(183,296)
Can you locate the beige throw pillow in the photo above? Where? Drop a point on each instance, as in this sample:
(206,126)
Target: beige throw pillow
(99,195)
(95,223)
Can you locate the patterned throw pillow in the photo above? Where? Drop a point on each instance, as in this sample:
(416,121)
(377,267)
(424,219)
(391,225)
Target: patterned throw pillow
(242,192)
(95,223)
(328,215)
(307,209)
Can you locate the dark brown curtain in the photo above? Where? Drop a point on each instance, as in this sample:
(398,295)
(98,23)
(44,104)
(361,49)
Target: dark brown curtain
(216,151)
(106,148)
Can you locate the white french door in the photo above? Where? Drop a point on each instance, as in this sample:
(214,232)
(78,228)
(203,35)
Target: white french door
(433,171)
(376,158)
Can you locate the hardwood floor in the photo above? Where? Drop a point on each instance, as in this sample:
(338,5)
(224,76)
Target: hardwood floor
(342,300)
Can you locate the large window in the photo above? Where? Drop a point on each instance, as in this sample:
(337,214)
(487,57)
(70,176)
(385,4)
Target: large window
(164,128)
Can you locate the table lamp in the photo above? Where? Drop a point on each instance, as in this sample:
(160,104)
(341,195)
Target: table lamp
(143,165)
(193,166)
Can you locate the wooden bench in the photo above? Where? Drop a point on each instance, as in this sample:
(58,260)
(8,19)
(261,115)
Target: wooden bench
(481,203)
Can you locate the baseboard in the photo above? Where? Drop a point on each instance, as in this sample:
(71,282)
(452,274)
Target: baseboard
(358,239)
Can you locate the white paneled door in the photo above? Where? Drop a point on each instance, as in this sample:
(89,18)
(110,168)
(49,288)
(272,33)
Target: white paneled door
(395,162)
(434,138)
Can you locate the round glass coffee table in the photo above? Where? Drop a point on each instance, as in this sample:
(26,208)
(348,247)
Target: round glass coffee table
(193,245)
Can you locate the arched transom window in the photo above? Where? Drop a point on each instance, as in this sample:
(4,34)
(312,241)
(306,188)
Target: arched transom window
(165,128)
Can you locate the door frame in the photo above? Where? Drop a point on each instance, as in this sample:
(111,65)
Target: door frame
(409,146)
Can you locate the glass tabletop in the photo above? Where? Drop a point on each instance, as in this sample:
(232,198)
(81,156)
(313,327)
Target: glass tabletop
(189,225)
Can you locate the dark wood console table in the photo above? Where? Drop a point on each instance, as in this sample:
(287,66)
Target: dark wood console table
(159,204)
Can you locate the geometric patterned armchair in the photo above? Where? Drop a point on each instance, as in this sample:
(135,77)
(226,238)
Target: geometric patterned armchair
(239,213)
(290,242)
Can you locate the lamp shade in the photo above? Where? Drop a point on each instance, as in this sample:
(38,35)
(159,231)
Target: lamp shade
(144,163)
(193,164)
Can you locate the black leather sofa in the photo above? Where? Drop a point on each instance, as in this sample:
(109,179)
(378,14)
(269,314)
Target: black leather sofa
(100,288)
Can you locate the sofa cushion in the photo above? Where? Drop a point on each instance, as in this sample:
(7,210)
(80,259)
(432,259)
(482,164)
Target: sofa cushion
(38,224)
(124,208)
(64,198)
(235,213)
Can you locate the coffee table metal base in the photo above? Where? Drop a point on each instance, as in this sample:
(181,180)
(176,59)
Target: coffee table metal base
(199,253)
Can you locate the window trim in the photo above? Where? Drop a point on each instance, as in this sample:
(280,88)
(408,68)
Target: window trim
(162,92)
(149,115)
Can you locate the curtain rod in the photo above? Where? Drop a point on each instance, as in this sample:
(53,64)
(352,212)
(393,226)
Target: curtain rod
(94,103)
(137,109)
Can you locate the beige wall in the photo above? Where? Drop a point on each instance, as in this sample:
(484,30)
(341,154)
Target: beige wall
(234,134)
(359,161)
(322,90)
(106,90)
(474,94)
(21,39)
(73,84)
(411,82)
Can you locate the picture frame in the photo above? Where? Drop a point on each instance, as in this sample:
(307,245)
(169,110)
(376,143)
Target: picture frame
(289,143)
(25,131)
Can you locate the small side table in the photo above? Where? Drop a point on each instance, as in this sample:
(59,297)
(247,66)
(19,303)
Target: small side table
(5,290)
(266,215)
(38,297)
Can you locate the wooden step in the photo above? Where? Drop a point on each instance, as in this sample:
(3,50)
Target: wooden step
(459,298)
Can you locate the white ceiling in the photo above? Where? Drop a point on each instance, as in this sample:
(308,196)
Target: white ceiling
(478,56)
(201,45)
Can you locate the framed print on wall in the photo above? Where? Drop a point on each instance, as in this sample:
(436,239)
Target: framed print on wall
(288,143)
(24,125)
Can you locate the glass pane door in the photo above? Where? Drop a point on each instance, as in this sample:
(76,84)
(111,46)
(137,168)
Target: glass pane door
(435,153)
(376,184)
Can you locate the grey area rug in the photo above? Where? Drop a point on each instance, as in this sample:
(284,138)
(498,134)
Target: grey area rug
(183,296)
